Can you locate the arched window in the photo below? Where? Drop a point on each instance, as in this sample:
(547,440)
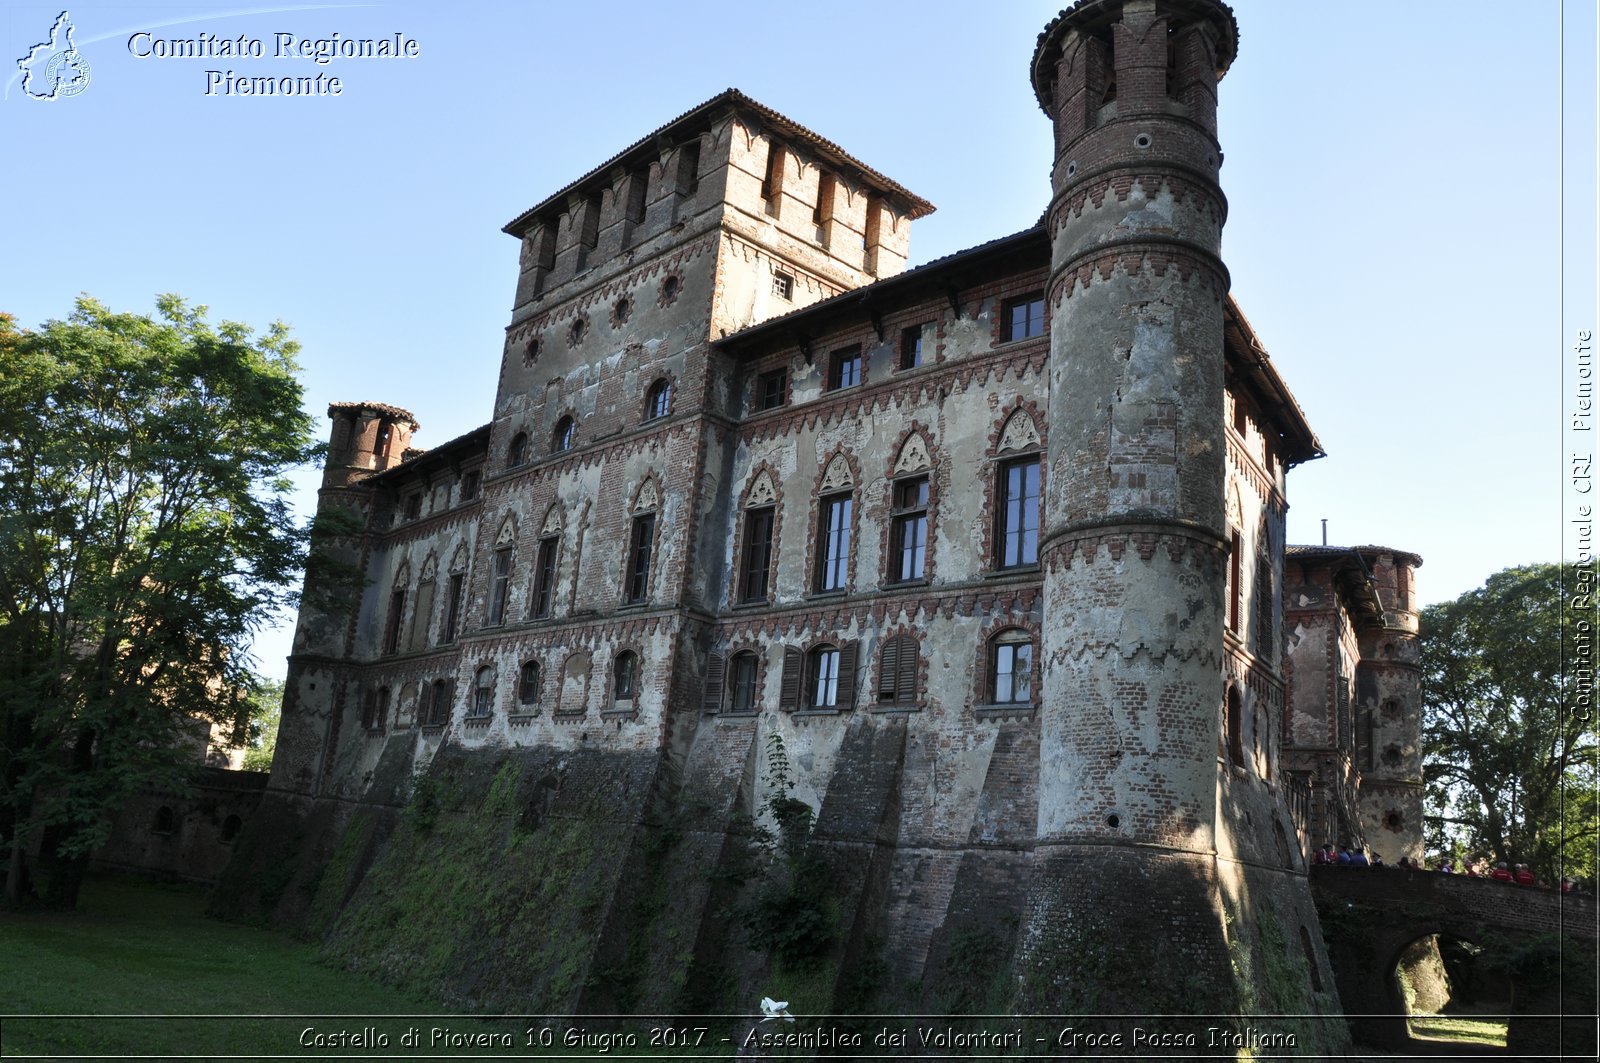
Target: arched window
(742,683)
(562,438)
(659,402)
(1011,667)
(439,706)
(897,671)
(822,678)
(625,676)
(483,693)
(230,829)
(528,684)
(517,452)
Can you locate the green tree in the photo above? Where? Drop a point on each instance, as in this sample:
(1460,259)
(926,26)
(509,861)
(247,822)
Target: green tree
(145,533)
(266,712)
(1509,760)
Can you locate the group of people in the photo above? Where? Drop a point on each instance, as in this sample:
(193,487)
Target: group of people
(1518,874)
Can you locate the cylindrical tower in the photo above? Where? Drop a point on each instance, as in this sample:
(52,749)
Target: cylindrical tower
(1134,550)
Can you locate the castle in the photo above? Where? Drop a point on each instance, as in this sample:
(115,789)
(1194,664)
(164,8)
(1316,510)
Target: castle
(993,548)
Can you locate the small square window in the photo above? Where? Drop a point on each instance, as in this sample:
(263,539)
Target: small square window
(414,505)
(772,389)
(1023,318)
(783,285)
(469,485)
(844,368)
(911,347)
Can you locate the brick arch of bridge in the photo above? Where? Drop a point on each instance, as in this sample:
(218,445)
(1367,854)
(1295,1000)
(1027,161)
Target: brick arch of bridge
(1370,916)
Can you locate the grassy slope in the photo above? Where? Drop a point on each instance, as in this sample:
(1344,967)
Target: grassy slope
(139,949)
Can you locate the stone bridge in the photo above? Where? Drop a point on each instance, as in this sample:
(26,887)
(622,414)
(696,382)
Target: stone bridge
(1543,941)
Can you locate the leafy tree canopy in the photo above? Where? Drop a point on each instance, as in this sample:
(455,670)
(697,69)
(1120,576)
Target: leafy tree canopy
(266,712)
(145,534)
(1509,750)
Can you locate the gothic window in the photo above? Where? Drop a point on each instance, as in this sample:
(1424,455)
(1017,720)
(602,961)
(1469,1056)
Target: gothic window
(1011,667)
(517,452)
(625,677)
(1017,513)
(640,542)
(909,546)
(500,586)
(659,401)
(483,693)
(562,438)
(756,565)
(1022,318)
(544,579)
(898,663)
(844,368)
(528,684)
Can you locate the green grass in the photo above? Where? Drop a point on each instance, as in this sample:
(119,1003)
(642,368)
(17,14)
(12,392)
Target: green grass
(145,951)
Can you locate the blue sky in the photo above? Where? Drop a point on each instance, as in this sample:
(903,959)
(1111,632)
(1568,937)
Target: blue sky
(1394,171)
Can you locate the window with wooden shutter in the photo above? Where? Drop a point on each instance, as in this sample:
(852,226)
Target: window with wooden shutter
(897,671)
(711,696)
(847,674)
(794,666)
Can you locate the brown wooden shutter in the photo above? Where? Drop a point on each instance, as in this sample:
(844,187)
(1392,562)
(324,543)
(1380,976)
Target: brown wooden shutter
(847,674)
(889,670)
(909,659)
(794,666)
(711,696)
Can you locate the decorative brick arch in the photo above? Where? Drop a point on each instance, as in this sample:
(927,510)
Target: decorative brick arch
(913,454)
(665,379)
(982,691)
(572,695)
(763,487)
(1009,439)
(839,470)
(916,671)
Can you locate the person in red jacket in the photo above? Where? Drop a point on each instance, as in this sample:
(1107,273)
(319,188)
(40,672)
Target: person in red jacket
(1523,876)
(1500,873)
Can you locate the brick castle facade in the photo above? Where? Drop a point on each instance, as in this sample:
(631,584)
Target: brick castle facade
(994,546)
